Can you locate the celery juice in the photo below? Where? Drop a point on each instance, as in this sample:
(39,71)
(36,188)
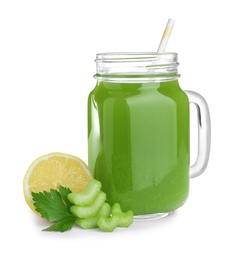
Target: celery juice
(138,144)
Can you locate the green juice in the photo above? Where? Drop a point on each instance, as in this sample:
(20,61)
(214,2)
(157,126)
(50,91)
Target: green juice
(138,144)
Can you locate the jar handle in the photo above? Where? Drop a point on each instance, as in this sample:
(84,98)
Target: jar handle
(204,133)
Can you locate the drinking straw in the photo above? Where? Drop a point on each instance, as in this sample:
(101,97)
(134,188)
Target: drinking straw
(166,36)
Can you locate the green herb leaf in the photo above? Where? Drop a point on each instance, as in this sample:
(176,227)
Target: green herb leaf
(55,207)
(62,225)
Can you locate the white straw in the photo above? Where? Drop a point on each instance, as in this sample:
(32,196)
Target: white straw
(166,36)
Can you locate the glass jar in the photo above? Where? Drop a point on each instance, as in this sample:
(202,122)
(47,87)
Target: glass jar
(139,131)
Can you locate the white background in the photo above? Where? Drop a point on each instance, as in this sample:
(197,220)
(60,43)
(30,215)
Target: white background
(47,52)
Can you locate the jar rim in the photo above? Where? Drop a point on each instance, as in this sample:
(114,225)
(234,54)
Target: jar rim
(118,57)
(131,66)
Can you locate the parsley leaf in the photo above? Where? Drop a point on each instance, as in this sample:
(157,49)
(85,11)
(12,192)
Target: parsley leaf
(62,225)
(55,207)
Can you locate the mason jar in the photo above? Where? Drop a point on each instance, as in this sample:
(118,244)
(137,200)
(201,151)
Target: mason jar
(139,132)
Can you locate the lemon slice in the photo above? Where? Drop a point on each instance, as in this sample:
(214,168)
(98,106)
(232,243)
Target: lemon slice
(52,170)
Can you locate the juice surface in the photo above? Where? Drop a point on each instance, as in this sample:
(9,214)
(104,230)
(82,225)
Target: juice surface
(139,144)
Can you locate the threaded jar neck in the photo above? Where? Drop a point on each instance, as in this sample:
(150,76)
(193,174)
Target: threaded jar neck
(136,66)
